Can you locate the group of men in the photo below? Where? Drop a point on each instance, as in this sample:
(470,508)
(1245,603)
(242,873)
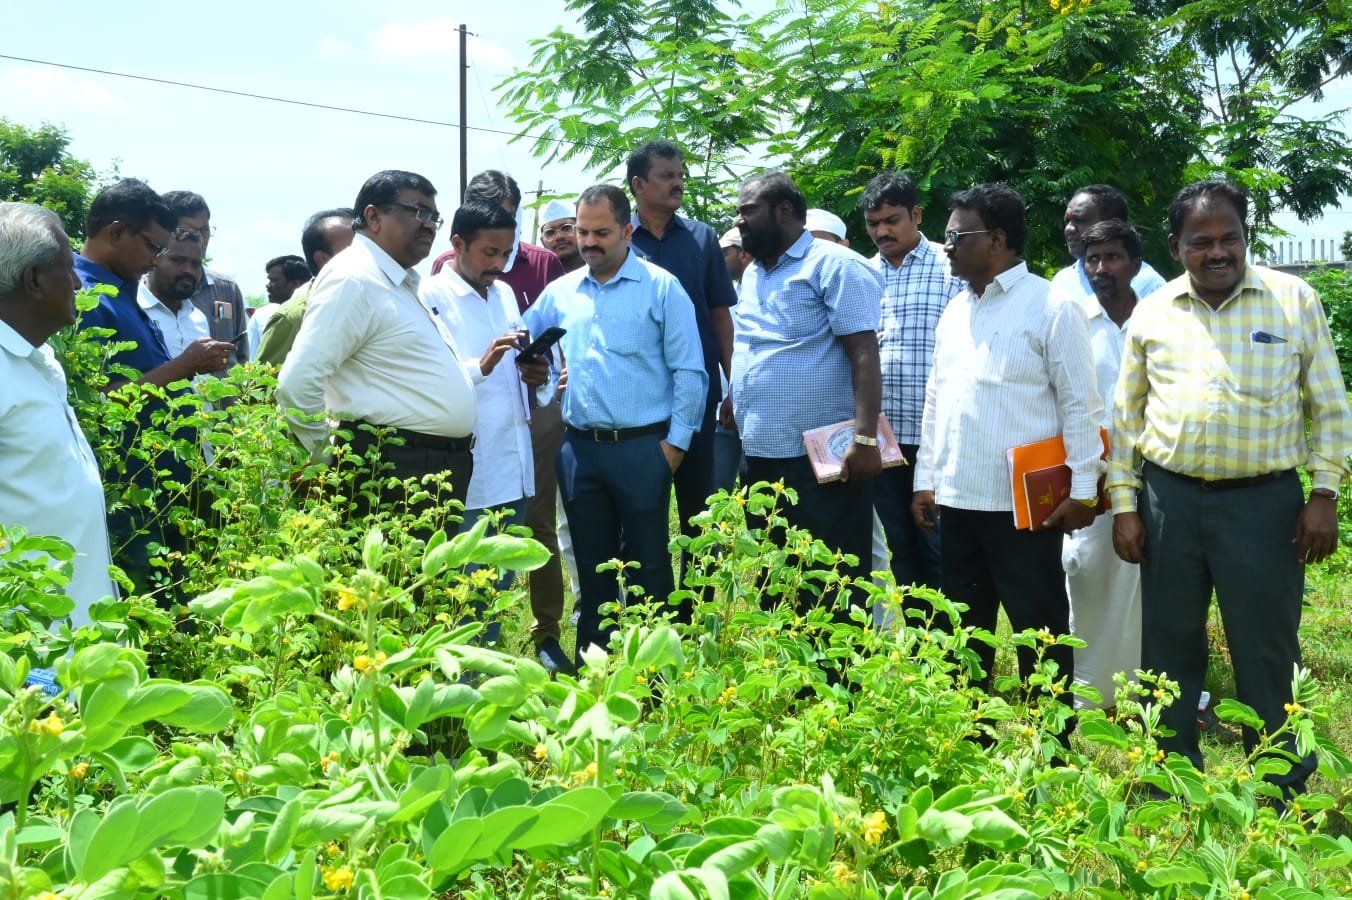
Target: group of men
(683,358)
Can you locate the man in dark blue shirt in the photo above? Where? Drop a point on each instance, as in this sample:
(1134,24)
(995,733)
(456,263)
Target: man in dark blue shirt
(690,251)
(128,227)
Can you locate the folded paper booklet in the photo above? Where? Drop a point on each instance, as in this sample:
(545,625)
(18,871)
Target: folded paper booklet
(826,447)
(1040,479)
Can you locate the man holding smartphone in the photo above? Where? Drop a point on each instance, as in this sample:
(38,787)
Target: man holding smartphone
(636,393)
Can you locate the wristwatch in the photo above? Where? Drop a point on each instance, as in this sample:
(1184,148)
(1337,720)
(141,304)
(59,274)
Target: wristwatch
(1329,493)
(865,440)
(1091,502)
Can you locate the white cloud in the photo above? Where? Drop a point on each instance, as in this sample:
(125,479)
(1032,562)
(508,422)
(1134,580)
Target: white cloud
(47,92)
(436,44)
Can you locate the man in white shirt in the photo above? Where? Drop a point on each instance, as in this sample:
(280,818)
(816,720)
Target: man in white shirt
(480,311)
(1088,206)
(166,295)
(371,354)
(1105,592)
(49,479)
(1010,367)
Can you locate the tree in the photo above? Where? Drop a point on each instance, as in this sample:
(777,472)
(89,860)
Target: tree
(36,167)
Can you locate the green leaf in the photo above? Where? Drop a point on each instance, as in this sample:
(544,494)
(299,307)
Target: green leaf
(671,886)
(1160,876)
(1231,710)
(1101,731)
(638,806)
(131,754)
(501,828)
(450,851)
(504,690)
(994,828)
(945,828)
(223,886)
(456,552)
(735,860)
(425,789)
(108,844)
(509,552)
(283,831)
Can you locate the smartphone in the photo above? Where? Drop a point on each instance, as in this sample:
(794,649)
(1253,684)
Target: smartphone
(541,345)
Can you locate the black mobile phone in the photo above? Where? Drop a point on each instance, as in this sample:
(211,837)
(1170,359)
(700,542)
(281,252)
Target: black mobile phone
(540,345)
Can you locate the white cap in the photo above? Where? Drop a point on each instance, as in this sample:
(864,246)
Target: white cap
(731,238)
(557,209)
(821,220)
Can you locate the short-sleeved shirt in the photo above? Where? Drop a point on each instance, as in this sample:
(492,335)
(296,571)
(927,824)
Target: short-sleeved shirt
(533,268)
(790,372)
(689,250)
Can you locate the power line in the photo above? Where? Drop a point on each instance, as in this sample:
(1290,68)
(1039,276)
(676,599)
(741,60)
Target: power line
(308,103)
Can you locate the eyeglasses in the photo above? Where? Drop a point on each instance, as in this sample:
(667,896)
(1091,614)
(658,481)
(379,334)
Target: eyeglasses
(952,237)
(155,249)
(565,228)
(422,214)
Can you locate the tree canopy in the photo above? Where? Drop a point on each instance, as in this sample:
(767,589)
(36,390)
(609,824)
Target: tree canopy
(35,166)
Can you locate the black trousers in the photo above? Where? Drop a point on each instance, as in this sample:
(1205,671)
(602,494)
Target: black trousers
(988,563)
(409,460)
(838,514)
(694,482)
(1237,542)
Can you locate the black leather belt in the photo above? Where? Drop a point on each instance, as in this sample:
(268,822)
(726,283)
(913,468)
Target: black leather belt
(412,438)
(615,435)
(1225,484)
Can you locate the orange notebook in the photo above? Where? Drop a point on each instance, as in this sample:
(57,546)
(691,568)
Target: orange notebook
(1040,479)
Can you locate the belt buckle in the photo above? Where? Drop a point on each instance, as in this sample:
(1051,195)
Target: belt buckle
(606,436)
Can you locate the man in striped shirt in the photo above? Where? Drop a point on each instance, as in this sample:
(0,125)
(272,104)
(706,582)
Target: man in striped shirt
(1011,366)
(1221,369)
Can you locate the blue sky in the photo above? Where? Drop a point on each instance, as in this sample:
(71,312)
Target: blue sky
(264,167)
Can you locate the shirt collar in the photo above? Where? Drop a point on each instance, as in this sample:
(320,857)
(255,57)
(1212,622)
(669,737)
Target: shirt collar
(459,287)
(146,299)
(917,253)
(387,264)
(631,269)
(1010,277)
(91,271)
(677,221)
(15,343)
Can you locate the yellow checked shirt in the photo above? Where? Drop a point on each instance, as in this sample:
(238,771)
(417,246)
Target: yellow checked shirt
(1224,393)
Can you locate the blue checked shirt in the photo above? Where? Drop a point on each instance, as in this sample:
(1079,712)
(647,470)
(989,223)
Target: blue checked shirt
(789,369)
(632,349)
(1073,283)
(914,296)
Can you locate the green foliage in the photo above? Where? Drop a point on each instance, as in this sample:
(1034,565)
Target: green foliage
(1334,285)
(36,167)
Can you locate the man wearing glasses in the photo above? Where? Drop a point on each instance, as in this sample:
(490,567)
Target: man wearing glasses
(369,352)
(1011,366)
(129,227)
(557,234)
(219,298)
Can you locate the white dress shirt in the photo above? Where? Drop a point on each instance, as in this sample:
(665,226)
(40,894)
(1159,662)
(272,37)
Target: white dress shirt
(49,479)
(1106,342)
(504,466)
(179,328)
(368,349)
(1011,367)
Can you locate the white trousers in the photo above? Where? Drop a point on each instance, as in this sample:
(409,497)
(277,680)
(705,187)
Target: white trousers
(1105,608)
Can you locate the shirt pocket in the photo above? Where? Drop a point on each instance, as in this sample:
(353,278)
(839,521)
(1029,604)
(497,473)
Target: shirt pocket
(628,335)
(1267,372)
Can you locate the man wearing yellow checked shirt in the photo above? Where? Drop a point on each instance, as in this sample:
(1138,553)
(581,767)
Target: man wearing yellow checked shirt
(1221,370)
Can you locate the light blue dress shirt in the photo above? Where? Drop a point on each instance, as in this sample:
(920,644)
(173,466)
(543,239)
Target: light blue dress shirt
(632,349)
(790,372)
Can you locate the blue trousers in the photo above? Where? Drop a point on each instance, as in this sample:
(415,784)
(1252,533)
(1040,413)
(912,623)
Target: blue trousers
(616,497)
(917,558)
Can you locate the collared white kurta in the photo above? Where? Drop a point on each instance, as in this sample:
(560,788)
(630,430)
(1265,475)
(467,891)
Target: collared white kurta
(49,478)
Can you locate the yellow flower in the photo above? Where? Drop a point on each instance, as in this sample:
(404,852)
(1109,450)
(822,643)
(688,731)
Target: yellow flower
(641,679)
(362,663)
(79,770)
(842,872)
(346,600)
(52,725)
(541,751)
(1292,708)
(833,723)
(48,895)
(1159,756)
(337,878)
(875,826)
(591,770)
(1142,866)
(332,849)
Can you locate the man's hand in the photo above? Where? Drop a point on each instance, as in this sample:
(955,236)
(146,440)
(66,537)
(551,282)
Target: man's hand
(1071,515)
(205,355)
(924,511)
(563,379)
(1317,529)
(496,350)
(534,372)
(674,455)
(725,417)
(1129,537)
(861,463)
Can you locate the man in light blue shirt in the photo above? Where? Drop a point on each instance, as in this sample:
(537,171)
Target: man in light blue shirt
(806,355)
(1088,206)
(635,396)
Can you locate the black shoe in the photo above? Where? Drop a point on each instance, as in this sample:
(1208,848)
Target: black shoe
(553,658)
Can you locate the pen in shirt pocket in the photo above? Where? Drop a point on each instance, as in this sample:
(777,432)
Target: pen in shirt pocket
(1262,337)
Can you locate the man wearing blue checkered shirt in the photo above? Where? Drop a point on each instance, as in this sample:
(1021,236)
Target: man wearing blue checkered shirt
(917,285)
(806,355)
